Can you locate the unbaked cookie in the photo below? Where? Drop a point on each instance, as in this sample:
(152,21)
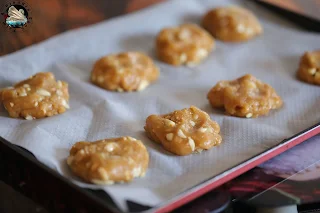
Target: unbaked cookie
(244,97)
(110,160)
(232,24)
(128,71)
(36,97)
(309,69)
(186,44)
(185,131)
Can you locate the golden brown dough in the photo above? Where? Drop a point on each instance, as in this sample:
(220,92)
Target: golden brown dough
(186,44)
(244,97)
(309,69)
(110,160)
(185,131)
(232,24)
(36,97)
(128,71)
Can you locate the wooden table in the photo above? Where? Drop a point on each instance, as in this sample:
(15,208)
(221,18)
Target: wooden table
(52,17)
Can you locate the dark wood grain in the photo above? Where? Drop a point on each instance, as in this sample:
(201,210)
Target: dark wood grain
(52,17)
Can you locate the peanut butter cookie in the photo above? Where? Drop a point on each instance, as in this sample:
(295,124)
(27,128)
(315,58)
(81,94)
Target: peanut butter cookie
(36,97)
(309,70)
(129,71)
(232,24)
(185,131)
(186,44)
(244,97)
(110,160)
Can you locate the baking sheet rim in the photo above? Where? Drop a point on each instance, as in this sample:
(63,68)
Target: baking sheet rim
(209,184)
(206,185)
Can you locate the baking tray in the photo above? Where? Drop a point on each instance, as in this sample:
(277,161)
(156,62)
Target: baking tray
(305,19)
(49,188)
(101,202)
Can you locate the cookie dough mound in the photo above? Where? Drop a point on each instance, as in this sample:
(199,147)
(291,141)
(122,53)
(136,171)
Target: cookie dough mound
(110,160)
(309,69)
(232,24)
(244,97)
(186,44)
(128,71)
(185,131)
(36,97)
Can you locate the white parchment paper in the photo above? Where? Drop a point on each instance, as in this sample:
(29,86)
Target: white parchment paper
(97,114)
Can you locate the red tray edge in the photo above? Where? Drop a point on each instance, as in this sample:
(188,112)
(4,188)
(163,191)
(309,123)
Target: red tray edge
(238,170)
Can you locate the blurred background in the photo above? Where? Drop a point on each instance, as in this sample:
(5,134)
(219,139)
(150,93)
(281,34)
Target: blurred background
(52,17)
